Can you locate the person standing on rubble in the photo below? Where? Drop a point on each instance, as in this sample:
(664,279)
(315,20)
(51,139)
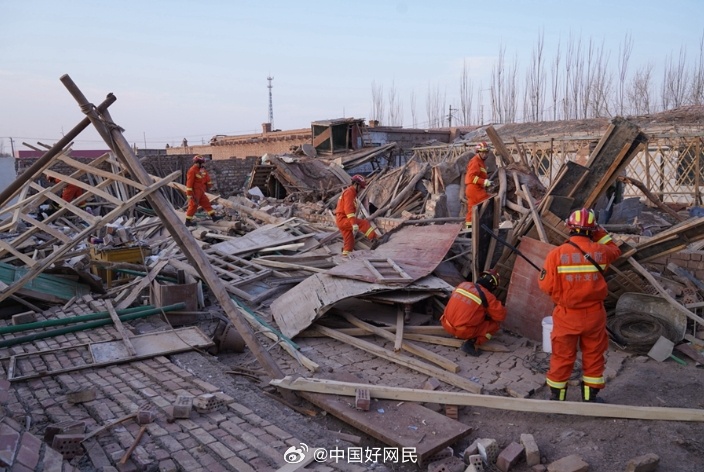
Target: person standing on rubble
(346,216)
(573,276)
(474,313)
(476,181)
(197,183)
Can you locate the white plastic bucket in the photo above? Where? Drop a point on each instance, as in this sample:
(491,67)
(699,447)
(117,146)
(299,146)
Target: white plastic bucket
(547,330)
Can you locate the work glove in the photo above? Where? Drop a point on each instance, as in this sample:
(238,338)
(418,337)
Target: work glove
(488,183)
(355,228)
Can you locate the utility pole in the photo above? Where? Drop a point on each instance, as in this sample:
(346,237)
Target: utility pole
(449,117)
(271,103)
(12,147)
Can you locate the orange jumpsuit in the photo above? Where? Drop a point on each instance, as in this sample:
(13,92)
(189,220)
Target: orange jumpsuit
(71,192)
(466,318)
(345,217)
(578,291)
(474,180)
(197,183)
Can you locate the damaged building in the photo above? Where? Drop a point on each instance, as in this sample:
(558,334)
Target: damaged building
(132,342)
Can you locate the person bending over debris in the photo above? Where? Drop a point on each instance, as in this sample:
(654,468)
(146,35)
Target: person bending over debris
(474,313)
(476,181)
(197,183)
(70,192)
(573,276)
(346,216)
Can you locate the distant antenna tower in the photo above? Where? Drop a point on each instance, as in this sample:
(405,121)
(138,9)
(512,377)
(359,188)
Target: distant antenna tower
(271,103)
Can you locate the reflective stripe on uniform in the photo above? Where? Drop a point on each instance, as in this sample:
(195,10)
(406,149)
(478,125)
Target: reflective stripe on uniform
(369,231)
(350,215)
(475,180)
(593,380)
(553,384)
(605,240)
(579,269)
(469,295)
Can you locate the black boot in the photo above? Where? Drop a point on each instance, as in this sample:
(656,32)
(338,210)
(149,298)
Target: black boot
(558,394)
(589,394)
(190,222)
(216,218)
(468,347)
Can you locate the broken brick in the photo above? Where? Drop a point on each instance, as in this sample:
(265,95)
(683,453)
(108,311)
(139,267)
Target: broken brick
(362,400)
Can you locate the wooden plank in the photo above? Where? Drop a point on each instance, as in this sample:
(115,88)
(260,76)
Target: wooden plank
(599,410)
(536,218)
(144,283)
(502,151)
(396,424)
(411,363)
(398,339)
(412,348)
(120,328)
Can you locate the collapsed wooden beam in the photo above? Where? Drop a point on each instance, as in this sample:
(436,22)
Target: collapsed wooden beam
(113,137)
(600,410)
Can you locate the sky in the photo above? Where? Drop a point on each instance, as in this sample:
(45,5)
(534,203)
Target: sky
(196,69)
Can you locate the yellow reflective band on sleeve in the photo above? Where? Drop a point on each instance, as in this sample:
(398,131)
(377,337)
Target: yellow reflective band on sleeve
(554,384)
(469,295)
(579,269)
(475,180)
(350,215)
(189,188)
(483,169)
(605,240)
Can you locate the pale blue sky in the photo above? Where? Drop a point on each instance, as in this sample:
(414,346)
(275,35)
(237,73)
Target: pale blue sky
(194,69)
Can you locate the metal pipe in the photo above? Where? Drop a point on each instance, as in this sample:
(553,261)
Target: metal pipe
(90,325)
(70,320)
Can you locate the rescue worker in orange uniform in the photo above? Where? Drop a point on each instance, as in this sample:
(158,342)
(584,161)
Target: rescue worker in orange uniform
(70,192)
(476,181)
(197,183)
(346,216)
(578,289)
(474,313)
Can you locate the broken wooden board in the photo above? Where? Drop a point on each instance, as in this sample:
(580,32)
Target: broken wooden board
(671,240)
(261,238)
(417,250)
(397,424)
(526,304)
(83,356)
(296,309)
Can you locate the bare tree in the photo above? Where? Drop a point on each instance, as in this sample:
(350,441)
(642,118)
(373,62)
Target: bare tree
(510,89)
(535,89)
(377,102)
(497,83)
(674,84)
(480,105)
(697,89)
(555,89)
(435,107)
(395,107)
(624,55)
(414,116)
(640,91)
(466,92)
(600,83)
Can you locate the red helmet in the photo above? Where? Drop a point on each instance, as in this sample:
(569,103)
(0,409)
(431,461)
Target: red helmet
(358,179)
(481,147)
(198,159)
(582,219)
